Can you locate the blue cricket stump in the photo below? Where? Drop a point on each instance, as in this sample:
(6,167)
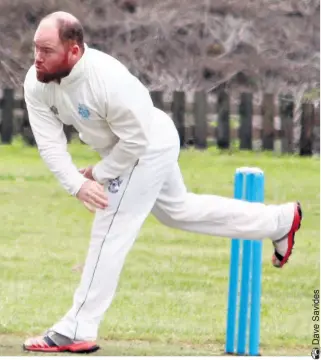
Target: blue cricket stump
(249,186)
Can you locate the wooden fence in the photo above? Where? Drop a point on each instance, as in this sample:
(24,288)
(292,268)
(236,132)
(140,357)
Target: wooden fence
(204,123)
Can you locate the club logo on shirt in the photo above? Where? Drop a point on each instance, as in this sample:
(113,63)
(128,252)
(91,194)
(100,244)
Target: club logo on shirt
(54,110)
(114,185)
(83,111)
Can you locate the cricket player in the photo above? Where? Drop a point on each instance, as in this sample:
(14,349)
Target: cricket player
(138,174)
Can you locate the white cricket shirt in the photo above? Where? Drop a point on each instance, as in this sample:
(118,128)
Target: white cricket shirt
(110,108)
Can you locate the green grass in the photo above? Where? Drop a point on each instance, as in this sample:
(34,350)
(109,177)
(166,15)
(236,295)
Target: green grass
(172,294)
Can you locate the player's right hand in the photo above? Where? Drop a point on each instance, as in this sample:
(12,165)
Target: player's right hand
(93,194)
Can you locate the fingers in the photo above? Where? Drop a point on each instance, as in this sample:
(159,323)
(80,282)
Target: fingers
(98,201)
(97,196)
(87,172)
(93,194)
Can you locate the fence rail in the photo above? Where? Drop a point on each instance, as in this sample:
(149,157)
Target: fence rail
(204,123)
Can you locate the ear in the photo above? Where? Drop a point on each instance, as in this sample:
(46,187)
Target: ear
(75,49)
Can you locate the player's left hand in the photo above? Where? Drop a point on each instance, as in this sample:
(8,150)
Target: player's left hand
(87,172)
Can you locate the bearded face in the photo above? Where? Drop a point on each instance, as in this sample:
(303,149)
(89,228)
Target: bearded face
(52,58)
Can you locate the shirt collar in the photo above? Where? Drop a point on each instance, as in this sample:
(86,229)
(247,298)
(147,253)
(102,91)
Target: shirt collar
(77,72)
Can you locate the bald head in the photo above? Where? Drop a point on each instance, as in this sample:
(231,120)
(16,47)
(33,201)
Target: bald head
(68,26)
(59,44)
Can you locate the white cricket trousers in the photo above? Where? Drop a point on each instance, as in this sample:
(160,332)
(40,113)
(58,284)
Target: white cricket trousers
(156,185)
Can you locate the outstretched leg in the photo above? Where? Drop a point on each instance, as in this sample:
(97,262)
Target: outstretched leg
(227,217)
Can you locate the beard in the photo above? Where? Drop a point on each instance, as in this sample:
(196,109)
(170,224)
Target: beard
(60,71)
(47,77)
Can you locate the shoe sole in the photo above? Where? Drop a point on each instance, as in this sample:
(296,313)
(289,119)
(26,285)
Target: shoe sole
(77,348)
(291,236)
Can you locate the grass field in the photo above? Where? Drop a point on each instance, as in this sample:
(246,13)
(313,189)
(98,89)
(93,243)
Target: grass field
(172,294)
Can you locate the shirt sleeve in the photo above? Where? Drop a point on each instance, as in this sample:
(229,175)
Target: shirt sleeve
(129,110)
(51,140)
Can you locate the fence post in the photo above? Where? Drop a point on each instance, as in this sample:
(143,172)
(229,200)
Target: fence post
(157,98)
(306,138)
(316,131)
(7,116)
(200,117)
(246,113)
(268,122)
(286,106)
(26,132)
(178,110)
(223,120)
